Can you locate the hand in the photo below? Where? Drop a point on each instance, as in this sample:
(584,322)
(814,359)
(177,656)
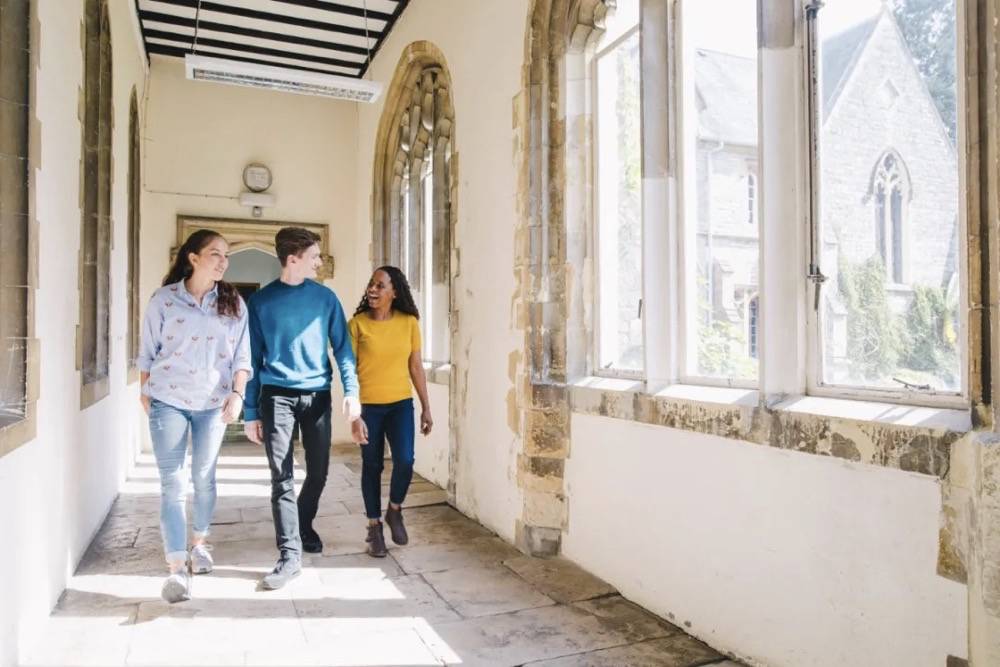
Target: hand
(352,408)
(144,399)
(254,431)
(231,408)
(359,431)
(426,423)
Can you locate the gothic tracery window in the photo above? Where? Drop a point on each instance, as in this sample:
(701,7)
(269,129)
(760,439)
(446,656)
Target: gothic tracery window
(95,241)
(416,211)
(14,219)
(890,191)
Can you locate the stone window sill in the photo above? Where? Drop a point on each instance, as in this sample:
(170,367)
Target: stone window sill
(915,439)
(438,373)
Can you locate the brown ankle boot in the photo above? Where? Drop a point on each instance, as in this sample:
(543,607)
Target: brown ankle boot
(376,541)
(394,518)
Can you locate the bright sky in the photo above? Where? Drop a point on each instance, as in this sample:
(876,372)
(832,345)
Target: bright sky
(737,33)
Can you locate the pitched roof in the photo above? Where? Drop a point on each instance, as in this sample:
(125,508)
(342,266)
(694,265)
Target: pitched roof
(839,55)
(726,86)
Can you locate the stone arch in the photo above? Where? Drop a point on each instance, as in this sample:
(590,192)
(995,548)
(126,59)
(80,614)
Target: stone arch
(418,115)
(416,132)
(95,204)
(133,233)
(551,239)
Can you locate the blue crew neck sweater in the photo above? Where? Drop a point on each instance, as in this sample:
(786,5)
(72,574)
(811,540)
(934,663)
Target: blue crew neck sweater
(290,328)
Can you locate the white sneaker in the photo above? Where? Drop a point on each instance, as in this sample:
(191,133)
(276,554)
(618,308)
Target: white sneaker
(201,559)
(177,587)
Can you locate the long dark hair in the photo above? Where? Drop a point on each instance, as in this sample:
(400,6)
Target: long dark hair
(404,299)
(228,302)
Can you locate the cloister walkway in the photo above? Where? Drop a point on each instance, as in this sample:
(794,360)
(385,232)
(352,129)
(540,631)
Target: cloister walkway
(456,594)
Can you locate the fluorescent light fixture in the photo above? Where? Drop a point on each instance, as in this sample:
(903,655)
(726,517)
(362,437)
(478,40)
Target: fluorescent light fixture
(220,70)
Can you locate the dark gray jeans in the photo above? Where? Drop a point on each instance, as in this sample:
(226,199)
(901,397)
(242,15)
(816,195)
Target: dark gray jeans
(280,410)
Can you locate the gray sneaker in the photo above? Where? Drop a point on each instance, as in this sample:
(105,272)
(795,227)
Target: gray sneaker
(177,587)
(286,569)
(201,559)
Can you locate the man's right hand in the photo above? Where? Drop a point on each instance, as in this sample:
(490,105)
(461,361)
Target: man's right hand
(254,431)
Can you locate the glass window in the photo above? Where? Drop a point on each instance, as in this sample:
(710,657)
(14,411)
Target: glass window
(619,204)
(718,126)
(14,223)
(887,155)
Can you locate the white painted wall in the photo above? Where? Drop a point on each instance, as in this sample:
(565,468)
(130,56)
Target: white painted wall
(485,59)
(55,490)
(200,135)
(788,558)
(431,451)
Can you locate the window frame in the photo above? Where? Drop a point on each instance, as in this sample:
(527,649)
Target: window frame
(815,385)
(789,344)
(612,371)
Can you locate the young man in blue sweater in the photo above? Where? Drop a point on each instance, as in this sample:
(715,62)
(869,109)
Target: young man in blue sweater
(293,321)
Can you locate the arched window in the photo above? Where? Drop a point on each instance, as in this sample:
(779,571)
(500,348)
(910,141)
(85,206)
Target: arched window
(15,228)
(413,200)
(134,189)
(95,240)
(890,192)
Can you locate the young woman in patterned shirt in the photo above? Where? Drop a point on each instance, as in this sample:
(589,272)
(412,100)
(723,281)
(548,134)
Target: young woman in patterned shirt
(195,362)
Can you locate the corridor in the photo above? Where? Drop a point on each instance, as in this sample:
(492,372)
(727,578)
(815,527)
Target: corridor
(456,594)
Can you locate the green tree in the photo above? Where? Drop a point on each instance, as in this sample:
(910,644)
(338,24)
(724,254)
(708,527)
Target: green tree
(928,26)
(930,343)
(872,331)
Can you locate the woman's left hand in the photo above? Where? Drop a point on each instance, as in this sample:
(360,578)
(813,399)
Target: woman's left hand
(426,423)
(231,408)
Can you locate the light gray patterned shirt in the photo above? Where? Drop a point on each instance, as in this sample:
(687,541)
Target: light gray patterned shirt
(190,352)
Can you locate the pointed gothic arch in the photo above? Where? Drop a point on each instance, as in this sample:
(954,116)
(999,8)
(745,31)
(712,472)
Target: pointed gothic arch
(414,209)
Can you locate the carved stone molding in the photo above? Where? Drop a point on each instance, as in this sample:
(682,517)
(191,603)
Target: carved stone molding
(257,234)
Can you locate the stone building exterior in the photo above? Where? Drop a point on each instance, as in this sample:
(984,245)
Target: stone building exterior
(889,183)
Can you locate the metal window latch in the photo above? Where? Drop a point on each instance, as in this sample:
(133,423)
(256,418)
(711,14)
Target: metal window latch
(817,278)
(639,314)
(912,386)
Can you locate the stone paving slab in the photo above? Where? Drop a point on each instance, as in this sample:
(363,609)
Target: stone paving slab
(676,651)
(485,591)
(524,636)
(436,557)
(558,578)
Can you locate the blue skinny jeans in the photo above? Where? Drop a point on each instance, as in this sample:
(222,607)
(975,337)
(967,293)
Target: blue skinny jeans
(392,422)
(169,428)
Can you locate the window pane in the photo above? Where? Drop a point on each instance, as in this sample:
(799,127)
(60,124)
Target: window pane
(619,182)
(889,194)
(720,186)
(426,305)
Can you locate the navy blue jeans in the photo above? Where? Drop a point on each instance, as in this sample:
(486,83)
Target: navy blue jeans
(392,421)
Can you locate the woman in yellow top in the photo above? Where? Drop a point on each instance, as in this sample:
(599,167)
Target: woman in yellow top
(385,333)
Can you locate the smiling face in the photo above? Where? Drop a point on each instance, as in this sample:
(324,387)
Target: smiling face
(306,264)
(213,260)
(380,292)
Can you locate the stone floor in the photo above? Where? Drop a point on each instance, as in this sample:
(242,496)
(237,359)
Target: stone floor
(456,594)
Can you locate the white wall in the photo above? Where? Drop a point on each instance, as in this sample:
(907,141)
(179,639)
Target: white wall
(200,135)
(787,558)
(431,451)
(55,490)
(485,59)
